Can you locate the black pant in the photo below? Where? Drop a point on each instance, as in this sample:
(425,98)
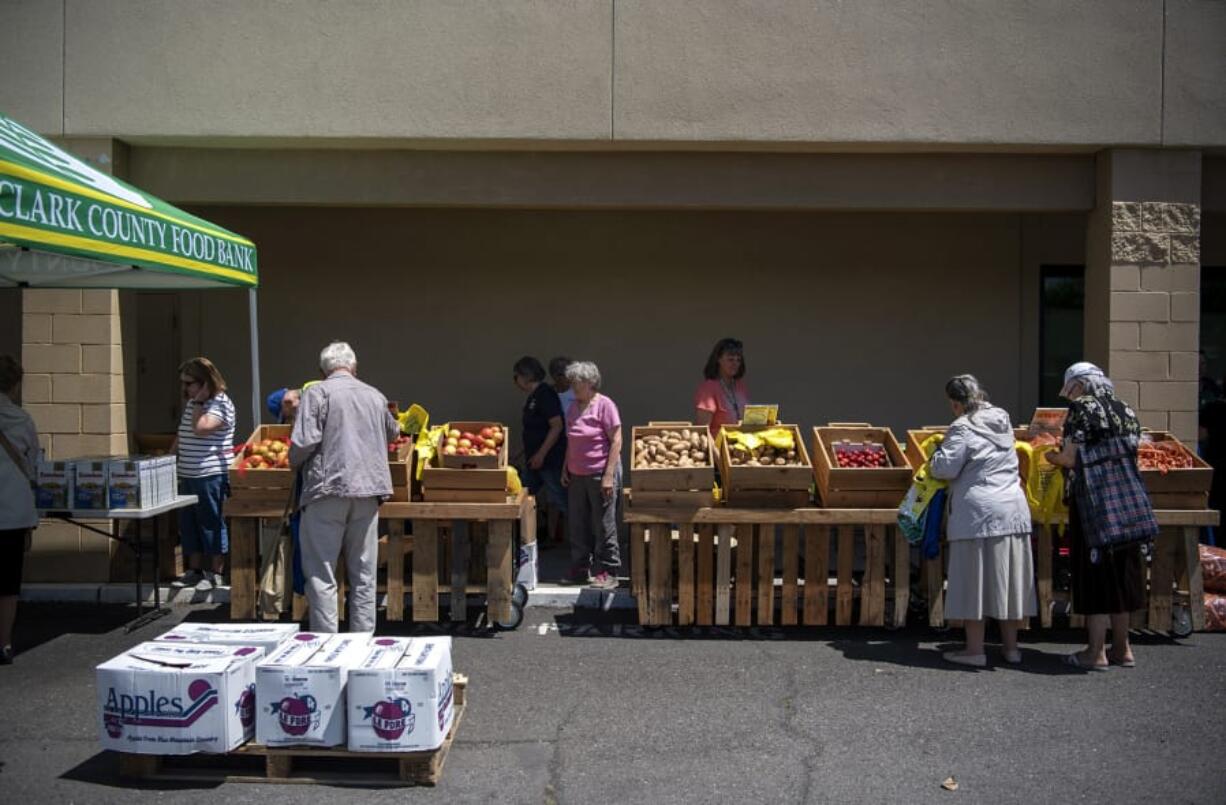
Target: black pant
(12,555)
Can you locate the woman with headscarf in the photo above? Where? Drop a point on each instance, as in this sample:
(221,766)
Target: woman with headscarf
(1107,584)
(991,571)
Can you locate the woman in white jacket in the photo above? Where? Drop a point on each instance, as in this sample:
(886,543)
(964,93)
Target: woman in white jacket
(18,461)
(991,571)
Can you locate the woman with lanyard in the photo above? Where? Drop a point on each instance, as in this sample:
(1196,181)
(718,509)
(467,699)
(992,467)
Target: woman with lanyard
(721,397)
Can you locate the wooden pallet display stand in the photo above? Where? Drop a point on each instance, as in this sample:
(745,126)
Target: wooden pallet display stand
(718,569)
(784,487)
(859,487)
(277,764)
(454,547)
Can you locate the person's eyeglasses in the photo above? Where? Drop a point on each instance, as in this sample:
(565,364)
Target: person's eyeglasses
(189,383)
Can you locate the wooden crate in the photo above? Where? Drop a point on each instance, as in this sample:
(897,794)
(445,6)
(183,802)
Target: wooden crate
(254,763)
(765,487)
(859,487)
(265,487)
(679,479)
(467,479)
(1181,488)
(915,438)
(402,465)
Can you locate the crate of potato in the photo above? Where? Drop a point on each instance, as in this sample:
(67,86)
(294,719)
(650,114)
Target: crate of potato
(859,466)
(1174,476)
(469,464)
(672,465)
(764,466)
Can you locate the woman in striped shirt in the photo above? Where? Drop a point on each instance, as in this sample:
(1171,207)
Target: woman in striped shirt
(204,445)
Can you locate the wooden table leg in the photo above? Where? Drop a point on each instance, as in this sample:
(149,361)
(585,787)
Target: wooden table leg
(1195,575)
(872,585)
(685,574)
(500,578)
(459,570)
(817,574)
(723,575)
(638,568)
(902,577)
(395,570)
(1162,579)
(744,574)
(935,573)
(766,574)
(706,572)
(425,570)
(844,594)
(660,576)
(244,567)
(791,575)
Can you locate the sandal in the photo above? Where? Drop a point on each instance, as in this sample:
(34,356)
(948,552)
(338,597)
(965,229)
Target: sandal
(1074,661)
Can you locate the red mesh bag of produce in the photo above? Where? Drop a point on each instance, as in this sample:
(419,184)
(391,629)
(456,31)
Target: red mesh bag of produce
(1213,565)
(1215,613)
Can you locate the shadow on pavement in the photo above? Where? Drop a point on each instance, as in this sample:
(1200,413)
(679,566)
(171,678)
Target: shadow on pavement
(39,623)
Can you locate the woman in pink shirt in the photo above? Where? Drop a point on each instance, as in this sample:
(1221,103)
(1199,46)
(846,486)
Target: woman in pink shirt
(721,398)
(591,475)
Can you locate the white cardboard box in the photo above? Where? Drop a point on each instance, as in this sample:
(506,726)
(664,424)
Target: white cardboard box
(301,689)
(402,703)
(90,490)
(55,479)
(130,482)
(177,698)
(268,636)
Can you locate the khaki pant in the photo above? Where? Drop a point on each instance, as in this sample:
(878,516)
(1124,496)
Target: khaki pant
(329,527)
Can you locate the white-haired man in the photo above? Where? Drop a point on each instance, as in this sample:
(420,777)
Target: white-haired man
(339,442)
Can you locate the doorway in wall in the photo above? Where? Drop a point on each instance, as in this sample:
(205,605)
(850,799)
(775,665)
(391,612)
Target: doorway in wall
(157,363)
(1061,322)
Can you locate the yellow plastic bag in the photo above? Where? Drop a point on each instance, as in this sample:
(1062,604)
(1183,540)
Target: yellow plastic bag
(514,485)
(1044,482)
(413,421)
(923,488)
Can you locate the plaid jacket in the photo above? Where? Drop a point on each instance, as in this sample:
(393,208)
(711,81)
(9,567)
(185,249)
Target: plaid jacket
(1111,498)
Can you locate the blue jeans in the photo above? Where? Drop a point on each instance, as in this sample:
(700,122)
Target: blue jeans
(202,529)
(549,479)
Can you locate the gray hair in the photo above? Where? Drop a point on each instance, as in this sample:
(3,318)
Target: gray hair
(337,355)
(584,372)
(965,390)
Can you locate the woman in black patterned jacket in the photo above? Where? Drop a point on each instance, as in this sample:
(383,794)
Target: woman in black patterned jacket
(1107,585)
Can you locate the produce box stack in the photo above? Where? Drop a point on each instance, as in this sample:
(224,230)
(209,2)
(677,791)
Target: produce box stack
(469,464)
(266,636)
(400,463)
(859,466)
(401,696)
(301,688)
(764,466)
(672,465)
(1174,476)
(170,698)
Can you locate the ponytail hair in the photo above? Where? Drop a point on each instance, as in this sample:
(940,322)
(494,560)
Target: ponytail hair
(966,391)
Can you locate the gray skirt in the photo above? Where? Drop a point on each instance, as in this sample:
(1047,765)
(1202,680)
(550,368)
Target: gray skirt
(991,577)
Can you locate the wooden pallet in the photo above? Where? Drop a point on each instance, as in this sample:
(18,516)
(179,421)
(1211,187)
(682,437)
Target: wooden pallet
(254,763)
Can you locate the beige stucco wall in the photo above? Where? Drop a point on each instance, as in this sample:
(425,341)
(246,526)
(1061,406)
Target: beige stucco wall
(845,316)
(868,74)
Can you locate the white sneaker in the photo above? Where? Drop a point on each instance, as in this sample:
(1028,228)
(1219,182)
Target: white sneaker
(191,578)
(218,581)
(206,582)
(973,660)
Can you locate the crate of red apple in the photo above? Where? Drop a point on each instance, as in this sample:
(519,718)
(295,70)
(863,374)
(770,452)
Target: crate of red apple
(469,464)
(857,465)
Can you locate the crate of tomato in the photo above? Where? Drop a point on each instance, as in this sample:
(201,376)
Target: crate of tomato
(764,466)
(469,464)
(1174,476)
(859,466)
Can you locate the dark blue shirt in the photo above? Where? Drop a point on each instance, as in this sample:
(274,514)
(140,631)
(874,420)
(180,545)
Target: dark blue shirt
(541,406)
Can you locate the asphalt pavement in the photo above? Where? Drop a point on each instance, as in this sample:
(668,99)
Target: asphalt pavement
(591,708)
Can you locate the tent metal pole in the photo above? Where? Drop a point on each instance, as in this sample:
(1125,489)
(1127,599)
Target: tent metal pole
(252,310)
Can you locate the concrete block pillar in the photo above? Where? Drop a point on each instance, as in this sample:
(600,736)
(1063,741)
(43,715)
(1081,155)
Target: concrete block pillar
(1142,315)
(72,352)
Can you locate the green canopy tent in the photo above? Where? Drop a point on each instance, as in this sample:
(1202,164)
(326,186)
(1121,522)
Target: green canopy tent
(64,224)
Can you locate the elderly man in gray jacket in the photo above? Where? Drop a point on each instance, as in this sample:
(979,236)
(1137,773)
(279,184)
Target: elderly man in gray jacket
(339,444)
